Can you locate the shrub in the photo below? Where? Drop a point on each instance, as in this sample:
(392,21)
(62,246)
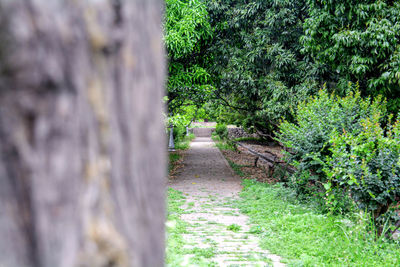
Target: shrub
(367,165)
(346,156)
(222,130)
(184,143)
(179,132)
(316,121)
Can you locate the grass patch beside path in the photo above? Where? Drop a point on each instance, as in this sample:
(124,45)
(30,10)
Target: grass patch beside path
(305,237)
(224,144)
(237,168)
(176,254)
(184,143)
(175,227)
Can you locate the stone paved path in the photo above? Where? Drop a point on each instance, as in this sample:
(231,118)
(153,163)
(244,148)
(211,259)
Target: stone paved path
(210,187)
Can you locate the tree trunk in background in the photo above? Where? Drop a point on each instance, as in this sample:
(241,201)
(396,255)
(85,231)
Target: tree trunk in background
(81,133)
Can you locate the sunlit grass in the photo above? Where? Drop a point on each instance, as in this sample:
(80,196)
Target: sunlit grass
(305,237)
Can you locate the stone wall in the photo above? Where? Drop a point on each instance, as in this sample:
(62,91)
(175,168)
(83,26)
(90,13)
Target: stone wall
(238,133)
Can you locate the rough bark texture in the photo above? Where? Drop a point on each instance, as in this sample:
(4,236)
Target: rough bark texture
(81,133)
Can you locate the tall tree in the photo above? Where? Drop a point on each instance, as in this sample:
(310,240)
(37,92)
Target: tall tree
(257,64)
(81,133)
(187,32)
(357,41)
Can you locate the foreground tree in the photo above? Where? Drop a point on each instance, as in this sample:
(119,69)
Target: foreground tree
(82,162)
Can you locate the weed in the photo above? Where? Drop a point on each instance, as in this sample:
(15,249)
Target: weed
(185,142)
(226,146)
(234,227)
(237,168)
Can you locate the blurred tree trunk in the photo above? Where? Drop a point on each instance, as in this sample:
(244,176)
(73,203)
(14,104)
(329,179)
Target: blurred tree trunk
(81,133)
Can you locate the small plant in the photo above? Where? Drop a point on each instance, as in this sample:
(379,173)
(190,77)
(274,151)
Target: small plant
(237,168)
(227,145)
(222,130)
(179,133)
(234,228)
(184,142)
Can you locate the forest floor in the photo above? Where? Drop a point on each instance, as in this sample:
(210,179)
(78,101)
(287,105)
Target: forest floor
(205,227)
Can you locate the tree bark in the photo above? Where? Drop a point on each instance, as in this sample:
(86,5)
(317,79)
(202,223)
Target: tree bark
(82,143)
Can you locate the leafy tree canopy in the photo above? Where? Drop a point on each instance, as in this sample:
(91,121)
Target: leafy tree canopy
(357,40)
(261,58)
(257,63)
(187,31)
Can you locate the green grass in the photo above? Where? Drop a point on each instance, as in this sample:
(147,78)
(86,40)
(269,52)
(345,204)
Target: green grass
(215,137)
(184,143)
(175,229)
(223,145)
(237,168)
(233,227)
(305,237)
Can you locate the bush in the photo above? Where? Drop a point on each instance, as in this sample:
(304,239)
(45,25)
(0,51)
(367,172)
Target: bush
(184,143)
(345,156)
(316,121)
(179,132)
(367,165)
(222,131)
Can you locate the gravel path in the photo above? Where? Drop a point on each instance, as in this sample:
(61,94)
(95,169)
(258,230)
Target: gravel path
(210,188)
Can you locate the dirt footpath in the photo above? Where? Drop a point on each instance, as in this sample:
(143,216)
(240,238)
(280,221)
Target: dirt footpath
(210,188)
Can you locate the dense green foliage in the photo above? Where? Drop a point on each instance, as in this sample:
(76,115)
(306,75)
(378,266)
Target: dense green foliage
(187,31)
(356,41)
(315,122)
(343,155)
(221,130)
(367,165)
(257,65)
(261,58)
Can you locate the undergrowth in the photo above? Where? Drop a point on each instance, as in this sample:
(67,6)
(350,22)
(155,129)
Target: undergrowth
(250,139)
(175,227)
(173,159)
(184,143)
(237,168)
(306,237)
(225,145)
